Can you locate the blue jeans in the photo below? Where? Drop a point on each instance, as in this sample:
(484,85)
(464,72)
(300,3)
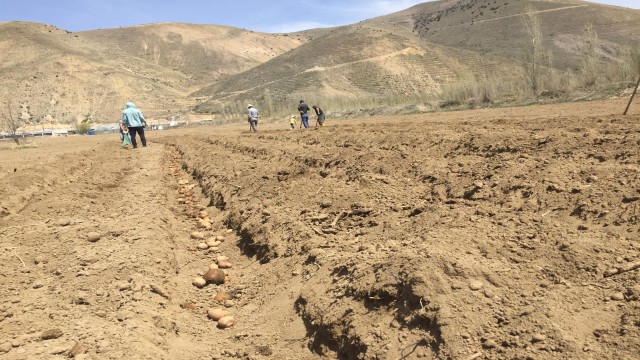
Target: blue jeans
(305,120)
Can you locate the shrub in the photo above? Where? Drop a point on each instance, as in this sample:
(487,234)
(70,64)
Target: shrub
(83,128)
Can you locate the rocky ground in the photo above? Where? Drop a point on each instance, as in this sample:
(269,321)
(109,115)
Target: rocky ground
(507,233)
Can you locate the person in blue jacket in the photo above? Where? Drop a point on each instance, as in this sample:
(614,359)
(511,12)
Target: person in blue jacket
(133,119)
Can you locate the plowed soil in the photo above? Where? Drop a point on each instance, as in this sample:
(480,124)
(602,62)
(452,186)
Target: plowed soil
(491,234)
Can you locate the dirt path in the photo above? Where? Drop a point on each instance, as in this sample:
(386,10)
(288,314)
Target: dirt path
(514,16)
(533,12)
(95,293)
(126,295)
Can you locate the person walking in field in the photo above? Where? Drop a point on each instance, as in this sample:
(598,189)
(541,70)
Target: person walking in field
(319,115)
(133,119)
(303,109)
(293,122)
(252,117)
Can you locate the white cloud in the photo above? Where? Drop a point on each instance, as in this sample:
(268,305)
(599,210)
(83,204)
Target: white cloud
(294,26)
(385,7)
(368,9)
(344,12)
(634,4)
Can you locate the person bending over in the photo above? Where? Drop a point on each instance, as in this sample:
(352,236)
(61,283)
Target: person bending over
(320,115)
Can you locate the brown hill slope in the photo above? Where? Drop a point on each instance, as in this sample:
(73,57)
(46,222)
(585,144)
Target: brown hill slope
(205,53)
(59,76)
(355,61)
(495,27)
(419,50)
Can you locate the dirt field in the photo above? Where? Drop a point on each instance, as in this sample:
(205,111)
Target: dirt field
(492,234)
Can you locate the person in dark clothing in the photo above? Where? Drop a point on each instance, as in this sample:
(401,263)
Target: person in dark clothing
(133,119)
(304,115)
(319,114)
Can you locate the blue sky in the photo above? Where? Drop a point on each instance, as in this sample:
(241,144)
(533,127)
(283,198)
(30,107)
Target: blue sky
(259,15)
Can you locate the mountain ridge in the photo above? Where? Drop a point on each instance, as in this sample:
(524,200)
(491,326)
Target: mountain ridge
(171,69)
(102,69)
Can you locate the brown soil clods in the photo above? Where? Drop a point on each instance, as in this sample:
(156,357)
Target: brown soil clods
(493,234)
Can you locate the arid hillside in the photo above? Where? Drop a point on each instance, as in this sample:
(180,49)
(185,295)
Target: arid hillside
(62,76)
(205,53)
(359,60)
(436,45)
(433,49)
(496,28)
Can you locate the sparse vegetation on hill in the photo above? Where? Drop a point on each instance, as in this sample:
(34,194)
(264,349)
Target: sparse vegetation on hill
(92,74)
(468,52)
(434,55)
(10,120)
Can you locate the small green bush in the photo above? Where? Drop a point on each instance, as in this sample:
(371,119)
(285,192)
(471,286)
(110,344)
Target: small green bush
(83,128)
